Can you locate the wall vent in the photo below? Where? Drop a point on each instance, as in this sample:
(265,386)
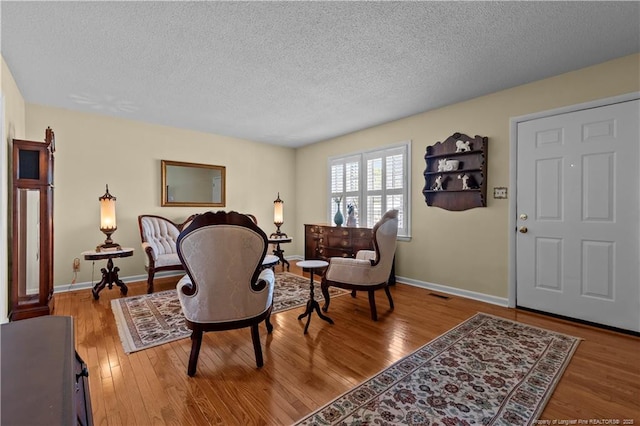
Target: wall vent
(439,296)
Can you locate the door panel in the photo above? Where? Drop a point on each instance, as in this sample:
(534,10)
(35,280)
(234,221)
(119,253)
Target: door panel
(549,189)
(597,269)
(578,183)
(548,263)
(598,187)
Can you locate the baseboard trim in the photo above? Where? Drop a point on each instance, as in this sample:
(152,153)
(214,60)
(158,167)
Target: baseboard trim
(132,279)
(500,301)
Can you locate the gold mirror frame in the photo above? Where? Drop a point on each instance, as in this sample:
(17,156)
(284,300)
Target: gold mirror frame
(192,184)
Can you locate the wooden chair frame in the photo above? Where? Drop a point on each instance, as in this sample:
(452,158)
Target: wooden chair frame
(370,289)
(257,284)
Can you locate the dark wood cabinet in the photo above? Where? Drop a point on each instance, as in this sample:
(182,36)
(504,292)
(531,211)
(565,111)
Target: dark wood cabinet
(456,173)
(324,241)
(44,381)
(32,228)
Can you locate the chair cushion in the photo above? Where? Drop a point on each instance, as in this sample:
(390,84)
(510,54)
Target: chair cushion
(170,259)
(366,255)
(351,271)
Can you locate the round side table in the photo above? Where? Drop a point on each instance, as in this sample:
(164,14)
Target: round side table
(110,274)
(278,251)
(270,261)
(312,304)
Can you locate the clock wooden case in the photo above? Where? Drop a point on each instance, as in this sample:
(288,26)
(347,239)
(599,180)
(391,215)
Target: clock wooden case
(32,228)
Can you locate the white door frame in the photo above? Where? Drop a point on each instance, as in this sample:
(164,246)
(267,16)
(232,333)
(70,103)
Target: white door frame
(513,163)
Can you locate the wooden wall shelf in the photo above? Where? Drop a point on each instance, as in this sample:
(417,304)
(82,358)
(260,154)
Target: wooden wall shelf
(452,195)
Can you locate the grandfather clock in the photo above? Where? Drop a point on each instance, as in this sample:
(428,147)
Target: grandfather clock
(32,228)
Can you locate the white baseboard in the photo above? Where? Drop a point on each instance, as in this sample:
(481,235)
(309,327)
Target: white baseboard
(134,278)
(500,301)
(126,280)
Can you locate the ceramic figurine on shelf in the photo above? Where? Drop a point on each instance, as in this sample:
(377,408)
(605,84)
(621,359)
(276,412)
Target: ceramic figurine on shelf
(351,215)
(437,186)
(465,181)
(462,146)
(442,164)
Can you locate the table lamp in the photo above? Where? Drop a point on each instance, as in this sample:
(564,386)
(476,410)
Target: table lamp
(278,217)
(108,221)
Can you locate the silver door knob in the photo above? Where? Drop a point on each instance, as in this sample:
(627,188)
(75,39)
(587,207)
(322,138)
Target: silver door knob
(523,230)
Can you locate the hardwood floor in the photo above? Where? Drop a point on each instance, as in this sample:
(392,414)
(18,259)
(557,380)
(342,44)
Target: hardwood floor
(303,372)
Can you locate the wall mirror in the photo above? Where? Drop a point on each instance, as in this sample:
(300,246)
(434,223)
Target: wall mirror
(192,184)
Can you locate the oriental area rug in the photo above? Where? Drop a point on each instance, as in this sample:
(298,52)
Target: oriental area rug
(154,319)
(486,371)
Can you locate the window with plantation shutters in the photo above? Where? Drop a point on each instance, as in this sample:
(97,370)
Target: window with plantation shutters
(371,182)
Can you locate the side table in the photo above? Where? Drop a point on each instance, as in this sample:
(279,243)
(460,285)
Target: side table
(270,261)
(278,251)
(110,274)
(312,304)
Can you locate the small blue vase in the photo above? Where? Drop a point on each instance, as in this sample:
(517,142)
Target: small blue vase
(338,218)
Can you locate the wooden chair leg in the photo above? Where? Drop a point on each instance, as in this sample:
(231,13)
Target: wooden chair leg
(196,341)
(255,336)
(267,321)
(325,294)
(152,272)
(353,293)
(372,304)
(386,290)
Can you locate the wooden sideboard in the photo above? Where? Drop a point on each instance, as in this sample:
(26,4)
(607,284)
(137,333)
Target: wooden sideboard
(44,381)
(323,241)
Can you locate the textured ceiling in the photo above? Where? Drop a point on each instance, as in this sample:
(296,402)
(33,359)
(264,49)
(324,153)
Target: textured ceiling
(293,73)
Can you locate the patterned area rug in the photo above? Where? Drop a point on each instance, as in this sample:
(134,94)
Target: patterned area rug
(486,371)
(154,319)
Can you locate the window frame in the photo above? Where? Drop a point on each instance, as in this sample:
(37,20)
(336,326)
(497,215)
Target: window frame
(404,147)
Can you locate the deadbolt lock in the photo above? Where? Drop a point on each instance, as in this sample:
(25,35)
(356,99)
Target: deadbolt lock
(523,216)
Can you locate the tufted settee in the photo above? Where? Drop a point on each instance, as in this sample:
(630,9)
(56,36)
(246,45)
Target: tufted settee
(159,236)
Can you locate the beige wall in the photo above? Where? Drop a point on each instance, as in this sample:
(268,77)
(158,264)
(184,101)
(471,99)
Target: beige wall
(14,106)
(93,150)
(13,125)
(467,250)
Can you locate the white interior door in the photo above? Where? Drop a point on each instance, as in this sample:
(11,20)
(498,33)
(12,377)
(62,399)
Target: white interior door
(578,203)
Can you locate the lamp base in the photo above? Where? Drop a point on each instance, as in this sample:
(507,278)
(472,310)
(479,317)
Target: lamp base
(278,234)
(108,247)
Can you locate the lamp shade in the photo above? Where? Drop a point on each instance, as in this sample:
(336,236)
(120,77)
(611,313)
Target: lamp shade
(278,211)
(107,211)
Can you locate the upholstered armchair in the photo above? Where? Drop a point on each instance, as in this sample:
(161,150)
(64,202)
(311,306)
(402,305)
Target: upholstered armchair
(225,286)
(159,236)
(370,269)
